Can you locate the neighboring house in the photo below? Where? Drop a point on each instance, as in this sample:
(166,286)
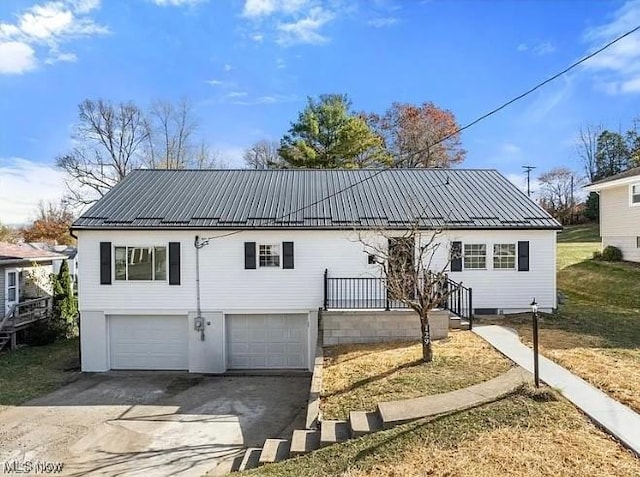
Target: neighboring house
(265,239)
(25,287)
(620,212)
(70,255)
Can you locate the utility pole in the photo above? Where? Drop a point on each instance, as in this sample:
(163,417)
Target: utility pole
(528,170)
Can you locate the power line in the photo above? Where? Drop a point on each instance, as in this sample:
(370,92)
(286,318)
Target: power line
(463,128)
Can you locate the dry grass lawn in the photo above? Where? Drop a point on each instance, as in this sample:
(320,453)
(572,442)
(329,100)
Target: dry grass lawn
(357,377)
(527,434)
(596,332)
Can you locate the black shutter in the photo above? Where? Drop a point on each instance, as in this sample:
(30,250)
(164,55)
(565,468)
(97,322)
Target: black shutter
(287,254)
(105,263)
(523,256)
(249,255)
(456,256)
(174,263)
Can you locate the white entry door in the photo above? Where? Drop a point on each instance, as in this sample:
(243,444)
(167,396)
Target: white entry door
(267,341)
(12,289)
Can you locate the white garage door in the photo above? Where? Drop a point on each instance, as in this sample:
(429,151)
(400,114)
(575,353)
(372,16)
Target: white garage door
(149,342)
(267,341)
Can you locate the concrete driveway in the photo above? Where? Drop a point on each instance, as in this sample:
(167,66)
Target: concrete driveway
(151,424)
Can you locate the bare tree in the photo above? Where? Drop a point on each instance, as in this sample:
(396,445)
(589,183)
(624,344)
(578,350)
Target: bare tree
(587,148)
(263,155)
(557,193)
(109,140)
(170,128)
(207,158)
(414,264)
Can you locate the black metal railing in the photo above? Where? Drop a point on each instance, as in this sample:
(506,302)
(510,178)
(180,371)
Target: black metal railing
(372,293)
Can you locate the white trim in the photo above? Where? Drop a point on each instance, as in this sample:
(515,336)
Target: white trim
(9,304)
(631,194)
(610,184)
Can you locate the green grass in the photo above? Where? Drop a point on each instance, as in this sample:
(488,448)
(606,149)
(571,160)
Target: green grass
(522,435)
(31,372)
(596,332)
(580,233)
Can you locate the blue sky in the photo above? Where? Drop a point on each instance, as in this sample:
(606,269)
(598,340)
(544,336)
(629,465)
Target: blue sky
(248,65)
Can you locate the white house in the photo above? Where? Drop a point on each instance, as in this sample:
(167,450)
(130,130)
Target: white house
(247,251)
(620,212)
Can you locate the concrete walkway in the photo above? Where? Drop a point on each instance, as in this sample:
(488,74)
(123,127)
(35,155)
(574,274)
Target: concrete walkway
(617,419)
(393,413)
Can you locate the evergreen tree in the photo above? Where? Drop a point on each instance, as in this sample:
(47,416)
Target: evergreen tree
(65,306)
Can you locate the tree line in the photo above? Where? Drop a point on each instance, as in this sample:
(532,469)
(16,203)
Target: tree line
(602,153)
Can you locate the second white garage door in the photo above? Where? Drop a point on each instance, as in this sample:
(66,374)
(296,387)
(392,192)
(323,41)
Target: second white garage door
(149,342)
(267,341)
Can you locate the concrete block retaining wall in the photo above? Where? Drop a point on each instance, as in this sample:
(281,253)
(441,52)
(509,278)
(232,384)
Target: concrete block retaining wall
(344,327)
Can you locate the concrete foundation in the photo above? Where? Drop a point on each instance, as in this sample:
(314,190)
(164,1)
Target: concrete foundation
(369,326)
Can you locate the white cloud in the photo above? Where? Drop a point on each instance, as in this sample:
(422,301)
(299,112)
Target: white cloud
(23,184)
(305,30)
(509,148)
(16,58)
(62,58)
(258,8)
(264,8)
(43,28)
(544,48)
(383,22)
(519,180)
(227,67)
(539,49)
(237,94)
(294,21)
(617,69)
(215,82)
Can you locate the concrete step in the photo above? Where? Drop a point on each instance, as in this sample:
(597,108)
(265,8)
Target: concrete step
(465,325)
(250,460)
(334,431)
(364,422)
(304,441)
(454,322)
(274,450)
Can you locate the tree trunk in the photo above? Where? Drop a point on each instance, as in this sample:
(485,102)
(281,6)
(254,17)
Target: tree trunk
(427,351)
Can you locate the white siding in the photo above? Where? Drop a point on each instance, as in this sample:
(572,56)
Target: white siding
(227,286)
(619,222)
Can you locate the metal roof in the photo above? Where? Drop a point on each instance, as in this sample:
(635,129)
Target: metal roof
(315,199)
(634,171)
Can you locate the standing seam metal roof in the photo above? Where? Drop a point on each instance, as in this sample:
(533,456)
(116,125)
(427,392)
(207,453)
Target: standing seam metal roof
(316,198)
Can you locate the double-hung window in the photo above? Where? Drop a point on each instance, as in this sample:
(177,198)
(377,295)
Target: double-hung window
(504,256)
(634,195)
(269,255)
(475,256)
(141,263)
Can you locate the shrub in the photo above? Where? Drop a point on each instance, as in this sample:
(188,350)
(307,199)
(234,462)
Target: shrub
(42,333)
(611,254)
(597,255)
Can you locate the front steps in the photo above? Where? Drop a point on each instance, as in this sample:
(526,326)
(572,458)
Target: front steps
(386,416)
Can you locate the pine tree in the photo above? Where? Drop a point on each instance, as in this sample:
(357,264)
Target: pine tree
(65,306)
